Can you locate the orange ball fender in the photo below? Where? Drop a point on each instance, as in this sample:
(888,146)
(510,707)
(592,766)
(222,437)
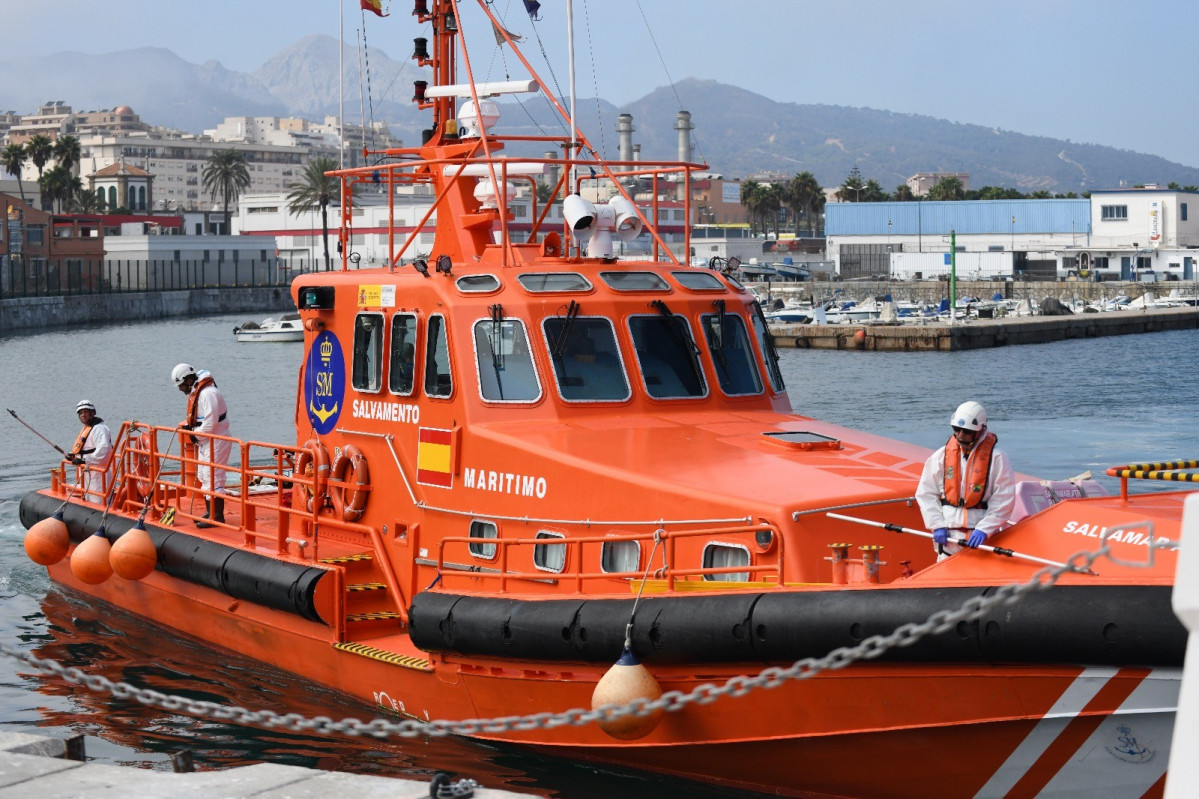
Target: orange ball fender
(48,541)
(89,561)
(133,556)
(626,681)
(312,463)
(351,484)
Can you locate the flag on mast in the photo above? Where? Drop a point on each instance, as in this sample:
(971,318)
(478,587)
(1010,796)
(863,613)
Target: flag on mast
(375,6)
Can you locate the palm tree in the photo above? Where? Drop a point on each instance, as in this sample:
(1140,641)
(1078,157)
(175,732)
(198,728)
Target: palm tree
(39,149)
(872,192)
(13,158)
(751,198)
(83,201)
(315,189)
(806,197)
(769,205)
(225,174)
(66,152)
(949,188)
(56,186)
(903,194)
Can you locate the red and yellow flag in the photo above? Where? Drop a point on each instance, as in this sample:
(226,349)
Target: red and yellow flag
(434,457)
(375,6)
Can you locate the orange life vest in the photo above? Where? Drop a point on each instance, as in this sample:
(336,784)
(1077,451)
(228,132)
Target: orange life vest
(978,471)
(193,399)
(81,441)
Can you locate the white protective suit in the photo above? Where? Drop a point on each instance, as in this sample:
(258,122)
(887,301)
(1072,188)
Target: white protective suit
(98,461)
(211,417)
(999,496)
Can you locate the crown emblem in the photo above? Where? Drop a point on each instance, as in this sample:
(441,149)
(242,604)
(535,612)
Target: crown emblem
(326,350)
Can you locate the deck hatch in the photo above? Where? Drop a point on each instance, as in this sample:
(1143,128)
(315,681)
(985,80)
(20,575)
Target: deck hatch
(801,439)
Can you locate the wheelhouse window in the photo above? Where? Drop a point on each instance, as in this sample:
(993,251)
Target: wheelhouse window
(587,364)
(766,345)
(721,556)
(547,282)
(620,556)
(477,284)
(728,344)
(698,281)
(634,281)
(483,530)
(505,363)
(368,352)
(438,380)
(403,354)
(666,354)
(549,557)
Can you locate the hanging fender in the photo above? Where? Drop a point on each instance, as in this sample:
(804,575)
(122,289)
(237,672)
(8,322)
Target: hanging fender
(351,484)
(312,463)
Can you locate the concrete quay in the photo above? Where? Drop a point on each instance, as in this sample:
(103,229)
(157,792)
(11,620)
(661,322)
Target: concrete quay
(982,333)
(33,765)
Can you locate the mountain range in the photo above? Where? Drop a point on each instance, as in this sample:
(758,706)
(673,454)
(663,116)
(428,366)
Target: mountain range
(738,133)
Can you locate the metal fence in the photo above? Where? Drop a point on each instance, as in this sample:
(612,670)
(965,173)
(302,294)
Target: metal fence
(91,276)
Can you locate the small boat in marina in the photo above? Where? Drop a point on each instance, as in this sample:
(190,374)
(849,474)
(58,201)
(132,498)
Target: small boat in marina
(519,460)
(285,327)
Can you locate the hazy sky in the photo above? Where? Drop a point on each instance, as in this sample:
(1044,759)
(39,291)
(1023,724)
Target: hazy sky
(1114,73)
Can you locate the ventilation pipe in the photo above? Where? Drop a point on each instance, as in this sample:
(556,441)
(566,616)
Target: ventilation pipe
(684,127)
(624,128)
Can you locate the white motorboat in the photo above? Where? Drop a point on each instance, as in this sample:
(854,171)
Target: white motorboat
(287,327)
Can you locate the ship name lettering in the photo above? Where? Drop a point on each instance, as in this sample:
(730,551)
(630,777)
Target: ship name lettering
(1096,531)
(386,411)
(523,485)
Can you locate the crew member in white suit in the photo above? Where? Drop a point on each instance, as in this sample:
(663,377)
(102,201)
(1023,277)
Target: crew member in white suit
(206,413)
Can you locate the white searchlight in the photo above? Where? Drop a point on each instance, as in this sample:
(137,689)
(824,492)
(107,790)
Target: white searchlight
(596,224)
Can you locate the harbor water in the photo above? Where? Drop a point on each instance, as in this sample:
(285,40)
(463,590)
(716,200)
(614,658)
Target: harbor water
(1059,409)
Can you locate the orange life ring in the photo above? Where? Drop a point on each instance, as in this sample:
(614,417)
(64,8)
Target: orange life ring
(143,479)
(312,463)
(351,484)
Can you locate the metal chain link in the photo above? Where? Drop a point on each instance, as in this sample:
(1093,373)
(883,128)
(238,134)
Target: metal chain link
(670,701)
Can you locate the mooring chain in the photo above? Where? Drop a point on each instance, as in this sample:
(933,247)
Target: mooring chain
(670,701)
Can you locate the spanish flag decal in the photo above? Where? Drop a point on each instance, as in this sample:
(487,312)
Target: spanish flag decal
(434,457)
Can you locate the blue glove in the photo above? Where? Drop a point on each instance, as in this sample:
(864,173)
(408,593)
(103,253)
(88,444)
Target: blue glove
(976,538)
(940,536)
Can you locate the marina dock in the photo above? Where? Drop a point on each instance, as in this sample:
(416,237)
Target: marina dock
(982,333)
(33,765)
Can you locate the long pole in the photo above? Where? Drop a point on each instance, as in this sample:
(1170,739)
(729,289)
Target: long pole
(953,275)
(895,528)
(36,433)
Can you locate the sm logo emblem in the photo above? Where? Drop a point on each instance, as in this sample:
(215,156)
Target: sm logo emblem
(324,382)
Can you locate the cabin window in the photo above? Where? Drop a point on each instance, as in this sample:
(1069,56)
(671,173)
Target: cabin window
(587,363)
(544,282)
(666,353)
(723,556)
(728,344)
(549,557)
(472,284)
(438,382)
(620,556)
(368,352)
(635,281)
(698,281)
(482,529)
(505,364)
(403,354)
(769,353)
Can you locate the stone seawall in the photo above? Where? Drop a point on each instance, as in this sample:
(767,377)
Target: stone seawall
(31,313)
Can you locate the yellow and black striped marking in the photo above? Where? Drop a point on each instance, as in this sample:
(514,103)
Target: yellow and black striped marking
(168,518)
(407,661)
(366,587)
(1174,476)
(349,558)
(382,615)
(1163,466)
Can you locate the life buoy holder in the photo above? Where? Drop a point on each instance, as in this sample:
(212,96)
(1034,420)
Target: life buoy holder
(312,463)
(351,484)
(143,479)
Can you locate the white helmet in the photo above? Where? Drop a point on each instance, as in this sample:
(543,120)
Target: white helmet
(180,372)
(85,405)
(969,416)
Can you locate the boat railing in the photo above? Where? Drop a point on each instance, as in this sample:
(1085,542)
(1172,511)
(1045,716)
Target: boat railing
(661,564)
(1182,471)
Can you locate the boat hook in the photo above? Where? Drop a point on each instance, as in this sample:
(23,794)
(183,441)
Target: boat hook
(895,528)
